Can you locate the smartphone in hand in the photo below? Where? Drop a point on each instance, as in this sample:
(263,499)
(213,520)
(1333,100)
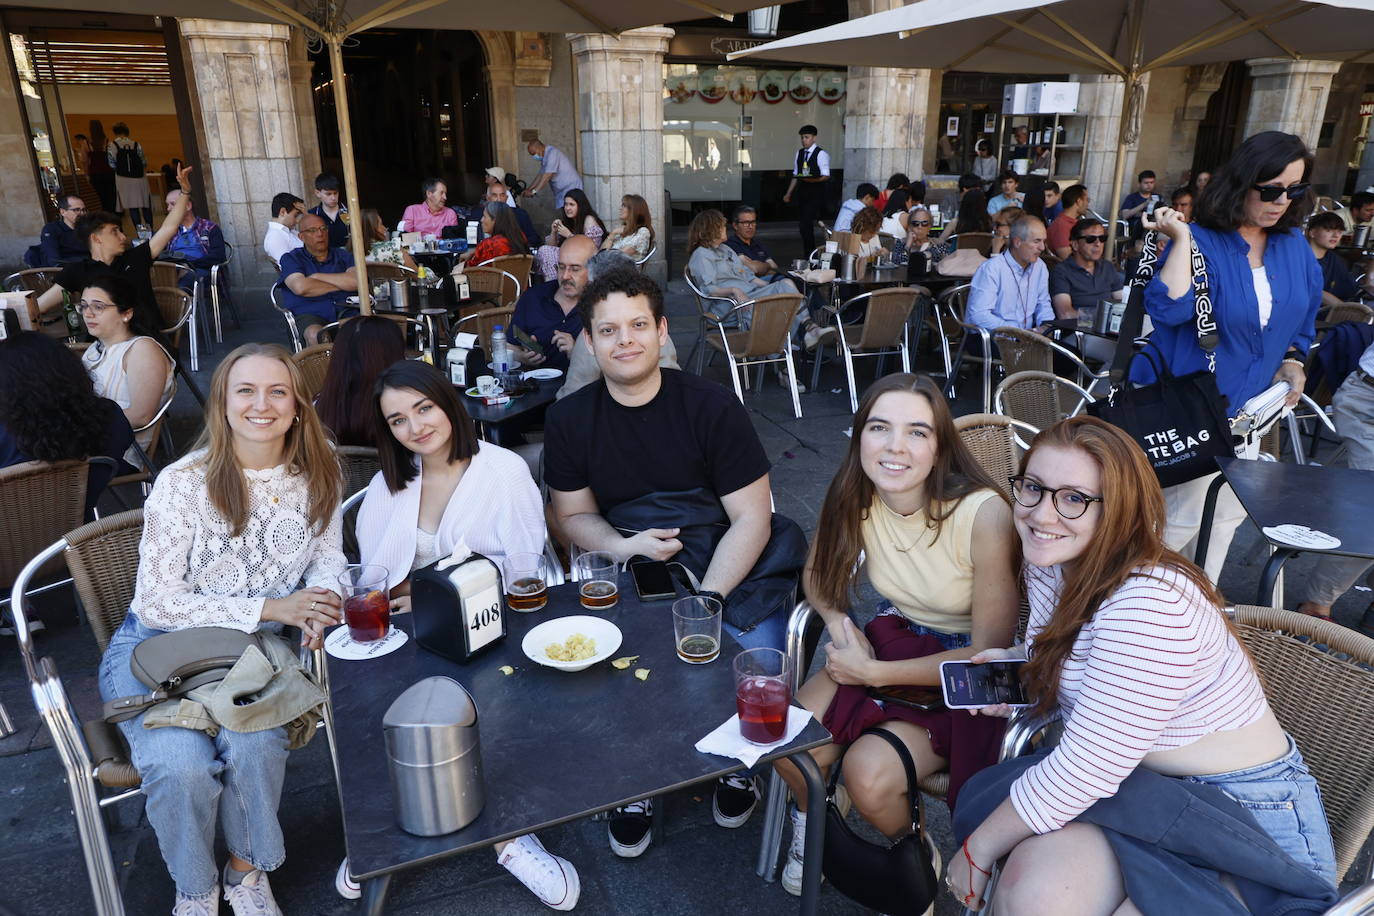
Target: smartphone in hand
(969,686)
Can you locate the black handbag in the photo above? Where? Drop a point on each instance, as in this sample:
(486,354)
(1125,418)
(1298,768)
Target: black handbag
(897,878)
(701,522)
(1180,422)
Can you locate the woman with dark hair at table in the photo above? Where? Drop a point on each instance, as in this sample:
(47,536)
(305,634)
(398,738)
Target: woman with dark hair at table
(1266,287)
(363,348)
(579,218)
(440,487)
(49,410)
(501,236)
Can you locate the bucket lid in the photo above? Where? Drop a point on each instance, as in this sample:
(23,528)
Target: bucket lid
(435,702)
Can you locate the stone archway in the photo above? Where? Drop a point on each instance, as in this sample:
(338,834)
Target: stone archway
(499,49)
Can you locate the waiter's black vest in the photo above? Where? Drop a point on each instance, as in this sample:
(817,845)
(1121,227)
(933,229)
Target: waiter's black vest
(809,157)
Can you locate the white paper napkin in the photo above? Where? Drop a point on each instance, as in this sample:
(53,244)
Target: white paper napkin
(726,740)
(340,645)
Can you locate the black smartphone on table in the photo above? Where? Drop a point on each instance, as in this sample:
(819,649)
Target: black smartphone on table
(653,580)
(968,686)
(925,699)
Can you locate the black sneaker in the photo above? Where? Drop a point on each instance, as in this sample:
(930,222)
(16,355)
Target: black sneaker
(630,828)
(737,795)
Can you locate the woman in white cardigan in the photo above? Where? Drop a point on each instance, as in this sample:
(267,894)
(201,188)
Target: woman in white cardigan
(438,486)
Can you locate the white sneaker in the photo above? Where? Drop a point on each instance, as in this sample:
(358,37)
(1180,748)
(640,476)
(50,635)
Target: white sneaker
(344,883)
(197,906)
(253,896)
(549,877)
(796,856)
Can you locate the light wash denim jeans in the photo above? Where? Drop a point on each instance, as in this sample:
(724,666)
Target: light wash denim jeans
(1284,799)
(191,780)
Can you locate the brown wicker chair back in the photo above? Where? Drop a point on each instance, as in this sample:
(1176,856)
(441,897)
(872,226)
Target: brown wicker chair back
(492,280)
(888,312)
(377,271)
(1322,700)
(989,437)
(1023,350)
(39,502)
(1040,399)
(360,464)
(979,240)
(103,559)
(174,305)
(168,273)
(1349,311)
(772,319)
(486,321)
(314,365)
(37,280)
(518,265)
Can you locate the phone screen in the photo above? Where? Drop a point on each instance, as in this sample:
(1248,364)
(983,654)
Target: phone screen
(652,580)
(968,685)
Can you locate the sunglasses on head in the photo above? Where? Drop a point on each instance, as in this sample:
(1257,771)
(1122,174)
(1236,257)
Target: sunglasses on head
(1272,192)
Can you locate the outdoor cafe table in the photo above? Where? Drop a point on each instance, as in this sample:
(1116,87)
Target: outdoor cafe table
(556,746)
(488,418)
(1337,501)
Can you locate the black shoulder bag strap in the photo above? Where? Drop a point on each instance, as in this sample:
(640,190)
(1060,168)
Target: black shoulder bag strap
(1134,318)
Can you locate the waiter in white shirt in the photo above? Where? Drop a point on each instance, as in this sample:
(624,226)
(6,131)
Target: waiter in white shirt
(810,171)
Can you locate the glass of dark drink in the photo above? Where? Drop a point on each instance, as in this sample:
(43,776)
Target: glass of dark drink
(367,607)
(696,629)
(598,577)
(526,585)
(763,692)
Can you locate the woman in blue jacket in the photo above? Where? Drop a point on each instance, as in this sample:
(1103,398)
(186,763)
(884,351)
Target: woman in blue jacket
(1265,289)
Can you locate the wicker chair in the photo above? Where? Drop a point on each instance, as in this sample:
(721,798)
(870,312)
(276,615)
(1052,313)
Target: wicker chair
(491,280)
(103,560)
(171,274)
(275,294)
(991,439)
(160,436)
(314,365)
(1036,400)
(982,241)
(37,280)
(1318,681)
(176,307)
(768,340)
(955,334)
(882,332)
(378,271)
(484,322)
(518,265)
(360,464)
(39,501)
(707,317)
(1348,311)
(1019,350)
(640,262)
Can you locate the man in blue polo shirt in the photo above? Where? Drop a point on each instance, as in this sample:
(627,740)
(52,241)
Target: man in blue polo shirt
(745,224)
(548,311)
(318,279)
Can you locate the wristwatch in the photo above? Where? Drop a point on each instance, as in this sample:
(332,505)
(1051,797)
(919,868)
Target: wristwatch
(702,593)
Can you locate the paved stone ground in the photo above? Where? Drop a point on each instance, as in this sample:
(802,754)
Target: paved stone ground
(694,867)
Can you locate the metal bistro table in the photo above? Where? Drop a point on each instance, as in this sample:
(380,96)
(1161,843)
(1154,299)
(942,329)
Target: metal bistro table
(1338,501)
(488,417)
(556,746)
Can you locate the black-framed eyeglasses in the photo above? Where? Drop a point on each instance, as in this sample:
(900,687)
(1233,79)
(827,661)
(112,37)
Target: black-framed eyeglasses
(746,222)
(1093,239)
(1272,192)
(1067,501)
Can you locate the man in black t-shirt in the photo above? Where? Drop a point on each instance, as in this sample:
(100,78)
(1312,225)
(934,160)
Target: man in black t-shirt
(640,430)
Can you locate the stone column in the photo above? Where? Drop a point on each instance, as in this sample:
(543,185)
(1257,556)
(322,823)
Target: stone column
(1099,98)
(307,130)
(1289,95)
(21,211)
(885,116)
(247,122)
(620,96)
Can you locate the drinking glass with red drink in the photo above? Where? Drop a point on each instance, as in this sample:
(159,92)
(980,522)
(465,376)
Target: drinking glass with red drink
(763,692)
(366,606)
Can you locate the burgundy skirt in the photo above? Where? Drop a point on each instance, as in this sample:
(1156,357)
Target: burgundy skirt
(968,742)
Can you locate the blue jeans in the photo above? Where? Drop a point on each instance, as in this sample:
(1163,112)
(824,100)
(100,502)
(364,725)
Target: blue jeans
(950,641)
(768,633)
(1284,798)
(191,780)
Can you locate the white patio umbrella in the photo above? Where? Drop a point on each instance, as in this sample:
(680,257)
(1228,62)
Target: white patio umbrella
(1125,38)
(335,21)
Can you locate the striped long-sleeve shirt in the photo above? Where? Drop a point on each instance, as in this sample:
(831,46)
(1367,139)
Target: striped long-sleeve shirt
(1156,668)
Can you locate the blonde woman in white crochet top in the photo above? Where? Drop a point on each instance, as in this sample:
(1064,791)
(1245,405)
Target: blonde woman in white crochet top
(242,533)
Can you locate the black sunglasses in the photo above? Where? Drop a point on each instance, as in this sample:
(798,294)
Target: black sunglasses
(1093,239)
(1272,192)
(920,222)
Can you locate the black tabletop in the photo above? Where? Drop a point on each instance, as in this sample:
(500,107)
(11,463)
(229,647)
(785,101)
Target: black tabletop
(868,275)
(556,746)
(1337,501)
(521,404)
(1070,326)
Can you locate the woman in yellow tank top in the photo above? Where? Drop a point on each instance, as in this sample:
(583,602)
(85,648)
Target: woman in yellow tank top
(935,536)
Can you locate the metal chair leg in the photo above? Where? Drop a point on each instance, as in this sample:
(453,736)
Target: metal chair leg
(6,723)
(818,354)
(849,375)
(792,376)
(774,820)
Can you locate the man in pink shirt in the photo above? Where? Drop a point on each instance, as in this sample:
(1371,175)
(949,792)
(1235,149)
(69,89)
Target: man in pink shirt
(430,217)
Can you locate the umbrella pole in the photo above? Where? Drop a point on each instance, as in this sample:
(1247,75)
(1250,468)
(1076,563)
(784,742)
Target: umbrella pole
(350,172)
(1130,84)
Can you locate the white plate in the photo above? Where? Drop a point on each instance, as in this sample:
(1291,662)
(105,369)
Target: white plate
(543,375)
(606,634)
